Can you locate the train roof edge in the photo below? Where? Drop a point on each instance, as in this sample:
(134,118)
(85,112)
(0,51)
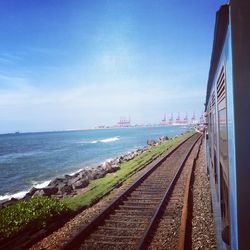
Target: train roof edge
(220,30)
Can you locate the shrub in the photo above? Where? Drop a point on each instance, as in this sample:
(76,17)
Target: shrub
(32,214)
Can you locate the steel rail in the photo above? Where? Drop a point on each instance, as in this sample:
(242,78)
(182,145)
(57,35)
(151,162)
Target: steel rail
(80,236)
(186,201)
(144,240)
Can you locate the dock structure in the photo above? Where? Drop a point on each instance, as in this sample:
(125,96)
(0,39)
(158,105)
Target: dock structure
(124,122)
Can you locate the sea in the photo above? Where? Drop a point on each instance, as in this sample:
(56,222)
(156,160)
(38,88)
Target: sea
(33,159)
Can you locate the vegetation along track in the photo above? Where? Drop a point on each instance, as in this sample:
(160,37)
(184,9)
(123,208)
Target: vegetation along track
(130,220)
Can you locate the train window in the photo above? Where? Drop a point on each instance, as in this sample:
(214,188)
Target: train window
(223,141)
(210,132)
(215,168)
(215,130)
(221,86)
(221,97)
(224,198)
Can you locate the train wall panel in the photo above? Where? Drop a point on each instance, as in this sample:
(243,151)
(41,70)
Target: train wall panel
(240,20)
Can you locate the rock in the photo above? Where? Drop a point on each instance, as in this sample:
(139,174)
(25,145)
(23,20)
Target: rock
(116,161)
(65,189)
(9,202)
(81,184)
(88,174)
(48,191)
(164,138)
(39,192)
(98,173)
(83,174)
(106,166)
(31,192)
(121,159)
(56,182)
(114,168)
(73,180)
(139,151)
(151,142)
(129,156)
(110,167)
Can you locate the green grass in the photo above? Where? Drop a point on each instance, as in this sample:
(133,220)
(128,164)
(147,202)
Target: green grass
(34,213)
(99,187)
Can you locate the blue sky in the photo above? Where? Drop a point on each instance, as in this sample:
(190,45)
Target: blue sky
(75,64)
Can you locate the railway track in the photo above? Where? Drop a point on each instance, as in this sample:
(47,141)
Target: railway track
(170,231)
(131,220)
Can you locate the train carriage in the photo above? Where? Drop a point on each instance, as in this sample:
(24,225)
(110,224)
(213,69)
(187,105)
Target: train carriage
(227,137)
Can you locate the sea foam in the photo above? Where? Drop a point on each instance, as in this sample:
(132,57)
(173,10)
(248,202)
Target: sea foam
(18,195)
(112,139)
(106,140)
(41,184)
(21,194)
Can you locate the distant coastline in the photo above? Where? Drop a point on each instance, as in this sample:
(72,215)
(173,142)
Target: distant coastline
(97,128)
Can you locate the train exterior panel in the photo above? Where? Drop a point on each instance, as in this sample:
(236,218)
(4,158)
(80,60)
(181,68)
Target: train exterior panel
(227,115)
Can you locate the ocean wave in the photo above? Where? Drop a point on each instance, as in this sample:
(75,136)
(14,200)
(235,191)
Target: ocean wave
(112,139)
(106,140)
(18,195)
(21,194)
(107,160)
(41,184)
(75,172)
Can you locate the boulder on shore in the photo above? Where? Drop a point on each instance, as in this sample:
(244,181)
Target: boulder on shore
(151,142)
(47,191)
(8,203)
(39,192)
(66,189)
(30,193)
(56,182)
(80,184)
(164,138)
(98,172)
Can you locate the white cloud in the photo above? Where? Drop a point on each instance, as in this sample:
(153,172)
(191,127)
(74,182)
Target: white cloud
(94,100)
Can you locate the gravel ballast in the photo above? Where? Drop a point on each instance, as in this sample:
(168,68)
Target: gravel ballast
(203,229)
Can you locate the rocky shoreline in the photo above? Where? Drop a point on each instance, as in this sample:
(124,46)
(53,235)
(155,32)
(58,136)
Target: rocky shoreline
(71,185)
